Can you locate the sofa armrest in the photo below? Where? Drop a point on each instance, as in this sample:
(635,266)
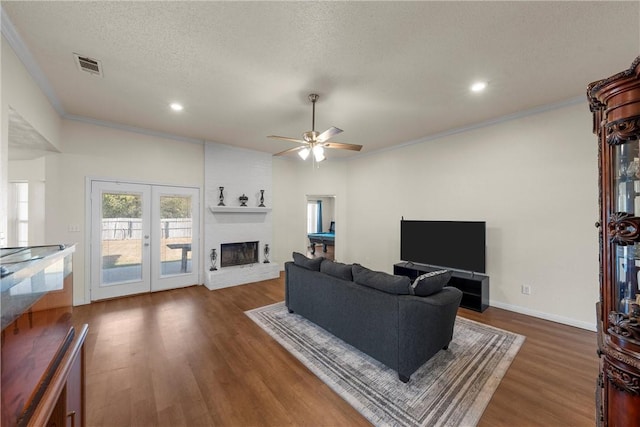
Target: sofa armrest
(287,266)
(425,326)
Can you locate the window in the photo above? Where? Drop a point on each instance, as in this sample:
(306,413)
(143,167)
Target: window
(312,217)
(18,214)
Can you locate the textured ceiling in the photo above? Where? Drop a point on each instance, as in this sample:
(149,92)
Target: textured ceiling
(387,72)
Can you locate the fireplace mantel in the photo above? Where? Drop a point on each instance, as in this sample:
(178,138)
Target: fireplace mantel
(238,209)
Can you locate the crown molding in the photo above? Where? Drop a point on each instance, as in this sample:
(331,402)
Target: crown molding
(518,115)
(133,129)
(9,31)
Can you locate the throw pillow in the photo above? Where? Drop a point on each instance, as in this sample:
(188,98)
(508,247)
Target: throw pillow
(337,269)
(397,285)
(430,283)
(308,263)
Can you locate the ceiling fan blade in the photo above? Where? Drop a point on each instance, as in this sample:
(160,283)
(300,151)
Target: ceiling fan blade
(290,150)
(342,146)
(300,141)
(332,131)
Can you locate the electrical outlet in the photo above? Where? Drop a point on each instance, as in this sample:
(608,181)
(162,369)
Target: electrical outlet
(526,290)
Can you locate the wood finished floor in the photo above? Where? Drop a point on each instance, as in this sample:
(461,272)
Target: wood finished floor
(191,357)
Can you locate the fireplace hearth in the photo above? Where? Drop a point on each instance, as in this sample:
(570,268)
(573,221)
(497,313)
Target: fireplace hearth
(242,253)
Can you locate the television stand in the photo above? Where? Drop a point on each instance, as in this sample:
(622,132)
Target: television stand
(474,286)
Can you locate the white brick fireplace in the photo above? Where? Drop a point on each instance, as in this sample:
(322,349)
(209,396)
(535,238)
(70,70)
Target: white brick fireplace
(240,172)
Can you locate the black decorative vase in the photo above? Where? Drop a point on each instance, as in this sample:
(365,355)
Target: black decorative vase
(221,197)
(243,200)
(213,257)
(266,254)
(261,205)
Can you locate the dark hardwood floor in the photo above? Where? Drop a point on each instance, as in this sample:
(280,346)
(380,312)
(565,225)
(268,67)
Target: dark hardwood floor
(191,357)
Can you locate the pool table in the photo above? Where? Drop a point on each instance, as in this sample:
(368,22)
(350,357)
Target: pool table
(326,239)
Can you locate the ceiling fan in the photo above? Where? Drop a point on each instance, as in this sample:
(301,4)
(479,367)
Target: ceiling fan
(315,142)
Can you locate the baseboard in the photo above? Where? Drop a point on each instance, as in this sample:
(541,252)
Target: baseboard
(545,316)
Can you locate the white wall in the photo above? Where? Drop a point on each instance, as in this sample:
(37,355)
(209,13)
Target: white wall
(293,181)
(102,152)
(533,180)
(239,171)
(20,92)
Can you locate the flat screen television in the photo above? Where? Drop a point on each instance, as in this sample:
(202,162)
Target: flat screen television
(459,245)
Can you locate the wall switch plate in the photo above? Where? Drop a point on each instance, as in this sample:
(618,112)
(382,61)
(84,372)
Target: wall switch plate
(526,290)
(73,228)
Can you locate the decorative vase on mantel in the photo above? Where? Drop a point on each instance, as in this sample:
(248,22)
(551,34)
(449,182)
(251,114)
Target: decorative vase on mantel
(261,205)
(243,200)
(221,196)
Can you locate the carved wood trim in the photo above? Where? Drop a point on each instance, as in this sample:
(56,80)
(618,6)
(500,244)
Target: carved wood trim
(623,228)
(594,103)
(625,326)
(621,357)
(624,130)
(623,380)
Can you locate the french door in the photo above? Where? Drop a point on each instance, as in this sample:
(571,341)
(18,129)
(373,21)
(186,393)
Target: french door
(143,238)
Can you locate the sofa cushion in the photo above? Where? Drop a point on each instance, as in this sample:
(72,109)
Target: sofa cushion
(397,285)
(337,269)
(430,283)
(308,263)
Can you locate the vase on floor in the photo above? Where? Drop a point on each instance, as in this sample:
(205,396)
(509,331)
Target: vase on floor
(266,253)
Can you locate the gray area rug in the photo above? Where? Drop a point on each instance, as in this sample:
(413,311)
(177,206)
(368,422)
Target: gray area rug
(451,389)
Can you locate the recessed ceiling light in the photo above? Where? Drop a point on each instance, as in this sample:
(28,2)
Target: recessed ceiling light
(176,107)
(478,86)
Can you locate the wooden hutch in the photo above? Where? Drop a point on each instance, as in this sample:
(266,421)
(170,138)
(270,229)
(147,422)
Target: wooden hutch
(615,103)
(42,367)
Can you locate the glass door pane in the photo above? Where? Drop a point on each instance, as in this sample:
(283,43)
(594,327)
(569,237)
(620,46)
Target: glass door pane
(120,239)
(626,199)
(121,243)
(176,231)
(175,254)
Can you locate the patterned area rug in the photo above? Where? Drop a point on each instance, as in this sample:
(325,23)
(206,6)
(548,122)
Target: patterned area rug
(451,389)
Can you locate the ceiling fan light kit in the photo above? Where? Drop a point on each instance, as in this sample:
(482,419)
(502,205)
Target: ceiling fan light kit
(313,141)
(304,153)
(318,153)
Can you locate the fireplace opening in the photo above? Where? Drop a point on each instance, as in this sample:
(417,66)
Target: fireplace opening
(238,253)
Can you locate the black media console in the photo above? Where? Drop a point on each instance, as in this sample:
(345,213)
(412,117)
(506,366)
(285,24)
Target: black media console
(474,287)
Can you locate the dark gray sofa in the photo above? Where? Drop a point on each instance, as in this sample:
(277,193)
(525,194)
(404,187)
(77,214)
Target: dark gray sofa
(375,315)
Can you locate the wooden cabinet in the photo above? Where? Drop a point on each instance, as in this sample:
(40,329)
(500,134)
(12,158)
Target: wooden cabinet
(42,367)
(68,404)
(474,287)
(615,104)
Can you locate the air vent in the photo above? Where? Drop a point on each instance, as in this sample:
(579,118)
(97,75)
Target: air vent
(90,65)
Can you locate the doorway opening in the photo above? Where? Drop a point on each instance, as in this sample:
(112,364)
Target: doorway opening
(321,226)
